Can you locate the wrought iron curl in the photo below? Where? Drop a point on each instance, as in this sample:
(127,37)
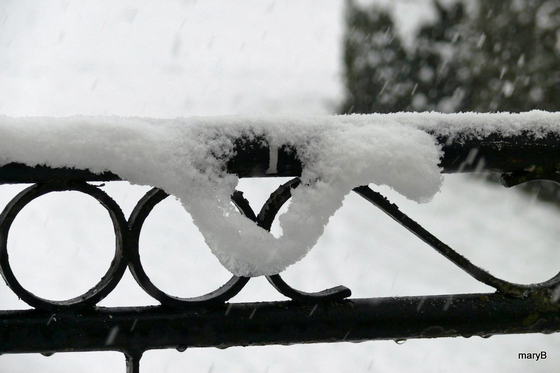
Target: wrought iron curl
(127,248)
(502,286)
(264,219)
(118,265)
(137,218)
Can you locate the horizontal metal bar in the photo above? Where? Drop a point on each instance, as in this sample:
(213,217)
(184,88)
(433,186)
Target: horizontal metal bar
(18,173)
(490,153)
(495,153)
(245,324)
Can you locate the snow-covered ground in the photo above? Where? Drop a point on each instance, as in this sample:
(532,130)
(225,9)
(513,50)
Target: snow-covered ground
(184,58)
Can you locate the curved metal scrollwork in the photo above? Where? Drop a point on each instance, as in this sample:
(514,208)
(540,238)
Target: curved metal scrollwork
(107,282)
(127,253)
(127,235)
(264,219)
(137,218)
(502,286)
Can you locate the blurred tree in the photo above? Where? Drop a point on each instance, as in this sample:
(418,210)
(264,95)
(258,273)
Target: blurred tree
(503,57)
(443,79)
(382,76)
(377,67)
(516,61)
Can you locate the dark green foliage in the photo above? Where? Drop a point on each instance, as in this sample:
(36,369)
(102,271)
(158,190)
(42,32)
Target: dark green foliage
(382,76)
(504,57)
(378,70)
(442,80)
(517,67)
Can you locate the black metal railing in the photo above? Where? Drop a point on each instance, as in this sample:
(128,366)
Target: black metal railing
(209,320)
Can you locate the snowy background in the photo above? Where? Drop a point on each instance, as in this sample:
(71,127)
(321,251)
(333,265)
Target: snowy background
(184,58)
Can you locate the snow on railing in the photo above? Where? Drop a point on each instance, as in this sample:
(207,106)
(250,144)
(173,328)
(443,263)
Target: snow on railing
(199,160)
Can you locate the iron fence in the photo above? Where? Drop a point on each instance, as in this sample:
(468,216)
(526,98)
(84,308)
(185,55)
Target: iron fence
(210,320)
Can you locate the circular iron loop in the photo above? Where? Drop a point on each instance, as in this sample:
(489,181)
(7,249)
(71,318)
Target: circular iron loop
(137,218)
(264,220)
(107,282)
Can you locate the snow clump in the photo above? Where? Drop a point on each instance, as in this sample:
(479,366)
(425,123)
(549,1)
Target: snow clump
(186,157)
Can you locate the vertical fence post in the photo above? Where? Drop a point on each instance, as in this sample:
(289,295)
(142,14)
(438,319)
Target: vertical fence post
(133,361)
